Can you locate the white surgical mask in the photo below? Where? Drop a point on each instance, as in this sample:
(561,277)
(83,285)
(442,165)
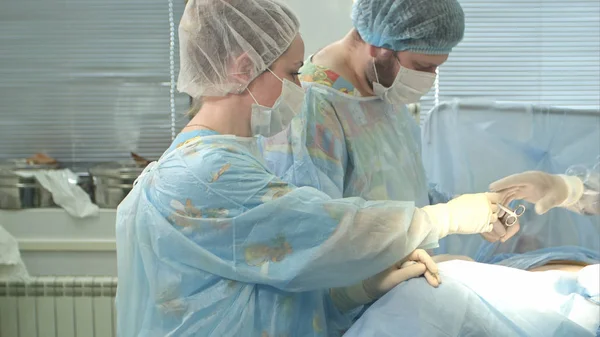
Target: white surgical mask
(269,121)
(408,87)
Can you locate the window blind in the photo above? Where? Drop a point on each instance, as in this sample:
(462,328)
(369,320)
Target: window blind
(538,51)
(87,80)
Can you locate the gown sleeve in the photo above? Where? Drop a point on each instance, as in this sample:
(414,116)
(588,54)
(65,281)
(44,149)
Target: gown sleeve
(589,203)
(229,216)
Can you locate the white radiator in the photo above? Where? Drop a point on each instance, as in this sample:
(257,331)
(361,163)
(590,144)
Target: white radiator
(58,307)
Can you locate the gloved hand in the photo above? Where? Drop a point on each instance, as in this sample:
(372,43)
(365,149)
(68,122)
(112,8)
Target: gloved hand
(545,190)
(418,263)
(501,232)
(467,214)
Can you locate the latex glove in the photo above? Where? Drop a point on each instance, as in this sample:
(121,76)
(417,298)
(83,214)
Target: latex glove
(501,232)
(545,190)
(417,264)
(467,214)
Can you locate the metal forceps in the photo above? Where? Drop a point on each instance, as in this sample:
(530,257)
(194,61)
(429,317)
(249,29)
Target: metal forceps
(511,217)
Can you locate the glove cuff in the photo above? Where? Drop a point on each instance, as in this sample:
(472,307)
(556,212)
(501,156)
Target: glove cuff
(575,190)
(348,298)
(358,293)
(439,217)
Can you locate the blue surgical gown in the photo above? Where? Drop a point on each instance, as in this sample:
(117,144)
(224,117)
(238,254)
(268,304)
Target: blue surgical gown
(487,300)
(357,147)
(212,243)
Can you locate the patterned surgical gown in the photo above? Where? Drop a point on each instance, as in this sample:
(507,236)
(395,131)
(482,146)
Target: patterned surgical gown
(212,243)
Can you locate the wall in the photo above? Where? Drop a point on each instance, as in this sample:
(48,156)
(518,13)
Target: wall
(54,243)
(322,21)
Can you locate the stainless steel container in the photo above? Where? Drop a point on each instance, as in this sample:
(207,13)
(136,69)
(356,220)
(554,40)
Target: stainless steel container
(113,181)
(84,179)
(17,192)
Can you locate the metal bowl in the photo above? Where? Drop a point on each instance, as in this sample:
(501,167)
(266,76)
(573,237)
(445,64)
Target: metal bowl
(113,181)
(18,192)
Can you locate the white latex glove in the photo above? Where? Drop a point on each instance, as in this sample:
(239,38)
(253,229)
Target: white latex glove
(467,214)
(417,264)
(545,190)
(501,232)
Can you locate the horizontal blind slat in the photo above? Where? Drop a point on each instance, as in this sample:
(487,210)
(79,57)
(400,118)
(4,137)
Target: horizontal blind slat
(86,80)
(543,51)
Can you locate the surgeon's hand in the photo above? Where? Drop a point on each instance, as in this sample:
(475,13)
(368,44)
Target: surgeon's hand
(545,190)
(417,264)
(501,232)
(467,214)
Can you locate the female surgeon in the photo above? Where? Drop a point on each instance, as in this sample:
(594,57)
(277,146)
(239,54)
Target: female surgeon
(211,243)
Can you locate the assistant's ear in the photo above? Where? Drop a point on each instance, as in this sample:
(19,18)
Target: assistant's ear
(373,51)
(242,69)
(381,53)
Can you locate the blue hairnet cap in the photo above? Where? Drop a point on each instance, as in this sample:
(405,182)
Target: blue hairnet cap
(421,26)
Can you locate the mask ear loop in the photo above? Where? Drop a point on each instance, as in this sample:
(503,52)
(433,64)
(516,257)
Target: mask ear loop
(271,71)
(399,65)
(251,95)
(375,69)
(254,98)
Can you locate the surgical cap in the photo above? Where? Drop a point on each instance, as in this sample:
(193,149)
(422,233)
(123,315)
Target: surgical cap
(422,26)
(213,34)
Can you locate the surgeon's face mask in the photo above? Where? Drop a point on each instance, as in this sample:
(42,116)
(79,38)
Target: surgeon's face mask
(408,87)
(269,121)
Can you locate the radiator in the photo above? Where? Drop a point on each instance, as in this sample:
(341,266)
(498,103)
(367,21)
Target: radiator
(58,307)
